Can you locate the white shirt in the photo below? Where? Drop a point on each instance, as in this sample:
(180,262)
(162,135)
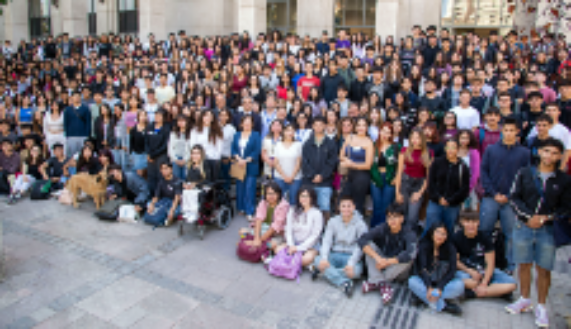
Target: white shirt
(151,109)
(164,94)
(288,158)
(467,118)
(229,131)
(558,131)
(213,151)
(269,145)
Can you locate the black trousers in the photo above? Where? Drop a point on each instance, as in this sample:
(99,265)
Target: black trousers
(357,184)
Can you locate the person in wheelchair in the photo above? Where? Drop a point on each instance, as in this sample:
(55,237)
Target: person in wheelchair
(195,188)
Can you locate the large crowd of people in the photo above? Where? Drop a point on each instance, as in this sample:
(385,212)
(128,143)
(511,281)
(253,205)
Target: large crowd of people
(439,160)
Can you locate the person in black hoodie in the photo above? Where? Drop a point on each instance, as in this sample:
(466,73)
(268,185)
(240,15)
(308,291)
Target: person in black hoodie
(319,161)
(448,187)
(360,86)
(434,282)
(156,147)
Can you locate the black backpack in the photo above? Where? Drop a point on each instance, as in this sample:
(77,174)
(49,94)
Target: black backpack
(499,241)
(40,190)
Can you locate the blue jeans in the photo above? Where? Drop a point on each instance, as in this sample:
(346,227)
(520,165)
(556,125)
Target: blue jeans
(382,198)
(438,213)
(335,273)
(323,197)
(246,195)
(162,208)
(119,158)
(534,245)
(452,289)
(499,277)
(179,171)
(490,210)
(291,189)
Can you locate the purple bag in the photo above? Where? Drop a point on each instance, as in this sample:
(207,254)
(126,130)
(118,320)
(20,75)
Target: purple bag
(250,253)
(285,265)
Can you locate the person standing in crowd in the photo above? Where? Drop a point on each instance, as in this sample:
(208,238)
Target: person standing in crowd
(390,249)
(156,148)
(330,83)
(178,148)
(542,125)
(164,92)
(491,132)
(557,131)
(339,257)
(137,141)
(448,187)
(383,172)
(468,152)
(497,176)
(77,124)
(288,156)
(247,110)
(269,144)
(467,117)
(208,134)
(246,149)
(319,161)
(356,156)
(228,132)
(54,126)
(411,180)
(540,196)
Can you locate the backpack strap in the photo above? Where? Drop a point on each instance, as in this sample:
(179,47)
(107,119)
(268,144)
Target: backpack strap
(482,134)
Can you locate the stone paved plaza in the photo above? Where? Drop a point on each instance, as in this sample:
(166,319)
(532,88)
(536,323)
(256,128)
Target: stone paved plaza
(66,269)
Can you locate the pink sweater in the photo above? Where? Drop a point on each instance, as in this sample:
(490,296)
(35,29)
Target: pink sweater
(280,214)
(474,168)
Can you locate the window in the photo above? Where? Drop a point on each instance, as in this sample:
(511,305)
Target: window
(128,16)
(476,13)
(39,14)
(282,15)
(355,16)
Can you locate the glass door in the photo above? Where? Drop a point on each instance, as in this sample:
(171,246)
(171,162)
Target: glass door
(282,16)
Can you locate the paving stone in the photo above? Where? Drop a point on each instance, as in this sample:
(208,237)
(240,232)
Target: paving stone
(118,297)
(22,323)
(62,319)
(129,317)
(89,321)
(42,314)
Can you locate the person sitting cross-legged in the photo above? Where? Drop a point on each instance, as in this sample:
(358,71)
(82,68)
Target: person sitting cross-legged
(476,261)
(340,254)
(165,205)
(390,249)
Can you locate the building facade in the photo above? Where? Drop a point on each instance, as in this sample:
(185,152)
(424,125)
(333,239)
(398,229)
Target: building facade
(26,19)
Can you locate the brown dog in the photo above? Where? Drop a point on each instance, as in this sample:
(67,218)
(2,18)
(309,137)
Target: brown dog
(93,185)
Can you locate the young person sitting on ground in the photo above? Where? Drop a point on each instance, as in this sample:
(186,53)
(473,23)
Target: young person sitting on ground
(165,205)
(390,249)
(339,257)
(270,218)
(476,261)
(130,186)
(434,281)
(304,225)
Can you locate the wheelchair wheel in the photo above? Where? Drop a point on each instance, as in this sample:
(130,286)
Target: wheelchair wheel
(223,217)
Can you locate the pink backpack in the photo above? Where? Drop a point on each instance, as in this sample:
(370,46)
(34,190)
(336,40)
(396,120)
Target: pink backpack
(285,265)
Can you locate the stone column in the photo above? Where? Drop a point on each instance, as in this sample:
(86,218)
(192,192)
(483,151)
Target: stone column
(387,18)
(56,22)
(107,19)
(16,21)
(73,15)
(252,17)
(315,16)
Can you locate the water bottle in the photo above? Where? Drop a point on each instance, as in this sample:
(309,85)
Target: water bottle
(433,306)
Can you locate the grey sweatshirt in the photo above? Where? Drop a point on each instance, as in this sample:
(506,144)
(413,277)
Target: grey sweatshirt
(343,237)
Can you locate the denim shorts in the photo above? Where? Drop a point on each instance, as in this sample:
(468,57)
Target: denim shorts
(499,277)
(534,245)
(324,197)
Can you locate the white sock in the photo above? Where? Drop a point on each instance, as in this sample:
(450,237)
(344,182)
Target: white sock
(524,299)
(542,306)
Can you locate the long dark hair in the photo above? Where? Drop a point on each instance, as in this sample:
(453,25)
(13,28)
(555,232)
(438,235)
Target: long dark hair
(428,237)
(312,196)
(215,131)
(272,185)
(176,129)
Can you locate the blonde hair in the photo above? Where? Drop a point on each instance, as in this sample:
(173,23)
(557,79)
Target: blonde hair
(202,155)
(424,155)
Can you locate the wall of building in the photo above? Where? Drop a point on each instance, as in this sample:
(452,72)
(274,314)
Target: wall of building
(16,21)
(315,16)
